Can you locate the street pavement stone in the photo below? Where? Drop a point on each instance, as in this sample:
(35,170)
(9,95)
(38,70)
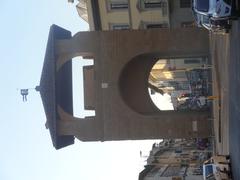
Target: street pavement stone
(234,100)
(225,51)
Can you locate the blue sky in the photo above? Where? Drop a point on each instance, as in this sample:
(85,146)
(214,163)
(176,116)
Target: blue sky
(26,150)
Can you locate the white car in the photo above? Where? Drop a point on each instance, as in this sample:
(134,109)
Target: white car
(217,168)
(216,9)
(202,20)
(214,25)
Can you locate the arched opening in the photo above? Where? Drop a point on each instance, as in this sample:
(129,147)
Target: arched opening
(79,109)
(149,84)
(133,84)
(180,83)
(71,94)
(71,116)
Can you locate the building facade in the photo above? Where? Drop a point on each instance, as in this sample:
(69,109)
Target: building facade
(178,159)
(174,70)
(135,14)
(179,77)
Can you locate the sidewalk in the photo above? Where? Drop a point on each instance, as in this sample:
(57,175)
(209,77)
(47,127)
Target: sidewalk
(220,60)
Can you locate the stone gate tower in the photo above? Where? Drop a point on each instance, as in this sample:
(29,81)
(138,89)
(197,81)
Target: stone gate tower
(116,86)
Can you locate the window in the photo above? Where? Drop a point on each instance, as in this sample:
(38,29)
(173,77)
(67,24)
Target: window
(151,4)
(185,3)
(191,61)
(184,85)
(187,24)
(202,6)
(153,172)
(150,26)
(179,74)
(117,4)
(119,26)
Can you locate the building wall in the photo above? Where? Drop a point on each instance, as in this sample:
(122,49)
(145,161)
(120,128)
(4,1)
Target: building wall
(140,17)
(187,163)
(112,16)
(170,15)
(90,15)
(174,69)
(135,17)
(178,14)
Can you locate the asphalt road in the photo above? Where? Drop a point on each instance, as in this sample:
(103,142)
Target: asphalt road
(234,99)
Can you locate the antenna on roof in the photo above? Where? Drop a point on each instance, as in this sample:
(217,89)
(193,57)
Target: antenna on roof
(25,92)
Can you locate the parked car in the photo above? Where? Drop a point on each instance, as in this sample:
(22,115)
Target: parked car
(213,25)
(217,168)
(216,9)
(220,26)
